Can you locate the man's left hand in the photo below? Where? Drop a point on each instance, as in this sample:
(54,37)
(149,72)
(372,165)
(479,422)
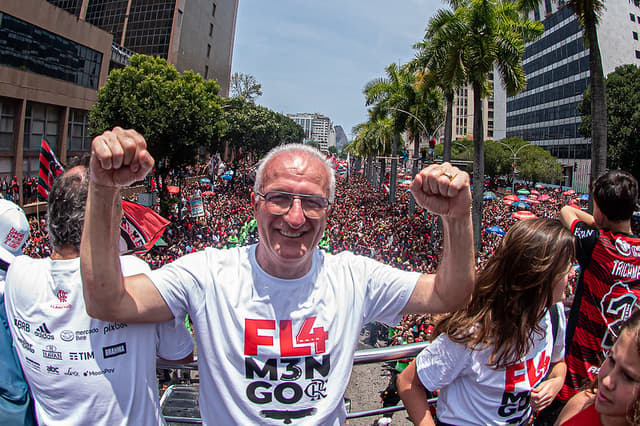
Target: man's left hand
(444,190)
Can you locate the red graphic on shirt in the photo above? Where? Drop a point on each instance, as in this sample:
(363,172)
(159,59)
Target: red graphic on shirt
(62,296)
(528,370)
(256,333)
(14,239)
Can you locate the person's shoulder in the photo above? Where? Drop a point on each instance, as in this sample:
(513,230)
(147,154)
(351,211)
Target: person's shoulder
(577,403)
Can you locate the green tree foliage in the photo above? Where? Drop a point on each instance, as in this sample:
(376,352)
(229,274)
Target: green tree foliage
(255,129)
(245,86)
(623,112)
(490,35)
(175,113)
(533,163)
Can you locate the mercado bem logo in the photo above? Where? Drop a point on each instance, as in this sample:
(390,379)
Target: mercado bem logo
(66,335)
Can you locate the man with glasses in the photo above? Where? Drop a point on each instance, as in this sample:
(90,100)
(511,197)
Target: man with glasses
(277,322)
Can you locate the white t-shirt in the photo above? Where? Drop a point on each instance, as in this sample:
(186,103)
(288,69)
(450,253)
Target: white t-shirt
(471,393)
(81,370)
(274,350)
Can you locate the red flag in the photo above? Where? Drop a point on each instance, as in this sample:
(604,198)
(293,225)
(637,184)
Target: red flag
(140,228)
(50,168)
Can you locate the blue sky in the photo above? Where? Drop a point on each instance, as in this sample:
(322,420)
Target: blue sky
(317,55)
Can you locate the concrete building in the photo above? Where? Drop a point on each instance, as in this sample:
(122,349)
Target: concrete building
(557,70)
(194,35)
(52,63)
(317,128)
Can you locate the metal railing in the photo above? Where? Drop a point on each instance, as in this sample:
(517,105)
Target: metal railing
(365,356)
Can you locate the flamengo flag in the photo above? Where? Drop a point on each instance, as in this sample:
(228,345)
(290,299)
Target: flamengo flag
(50,168)
(140,228)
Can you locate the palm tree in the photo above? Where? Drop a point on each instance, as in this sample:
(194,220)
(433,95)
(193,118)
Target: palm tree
(389,97)
(373,137)
(588,14)
(439,57)
(493,36)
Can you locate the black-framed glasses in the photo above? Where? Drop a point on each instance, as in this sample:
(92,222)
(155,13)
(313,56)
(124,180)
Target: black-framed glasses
(280,202)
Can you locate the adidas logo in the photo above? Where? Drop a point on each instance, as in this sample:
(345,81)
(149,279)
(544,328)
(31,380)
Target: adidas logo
(43,332)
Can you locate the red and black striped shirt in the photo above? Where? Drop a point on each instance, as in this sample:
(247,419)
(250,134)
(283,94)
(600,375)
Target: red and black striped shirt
(607,292)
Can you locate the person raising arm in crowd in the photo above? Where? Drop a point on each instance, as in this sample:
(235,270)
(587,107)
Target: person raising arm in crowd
(490,360)
(277,322)
(608,288)
(83,371)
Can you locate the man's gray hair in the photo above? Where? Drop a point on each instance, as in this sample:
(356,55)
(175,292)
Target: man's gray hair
(297,147)
(66,206)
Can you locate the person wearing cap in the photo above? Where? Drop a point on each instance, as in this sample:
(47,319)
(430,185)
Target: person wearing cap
(16,405)
(277,322)
(81,370)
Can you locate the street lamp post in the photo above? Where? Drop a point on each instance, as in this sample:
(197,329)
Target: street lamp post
(515,154)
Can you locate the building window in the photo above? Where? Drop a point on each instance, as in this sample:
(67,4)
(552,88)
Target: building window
(7,114)
(208,50)
(632,17)
(210,30)
(33,49)
(206,72)
(41,122)
(635,35)
(78,138)
(214,10)
(637,54)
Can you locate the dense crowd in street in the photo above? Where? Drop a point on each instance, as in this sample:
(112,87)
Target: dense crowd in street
(361,221)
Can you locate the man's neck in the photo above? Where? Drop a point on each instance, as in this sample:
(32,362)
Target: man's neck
(620,226)
(65,252)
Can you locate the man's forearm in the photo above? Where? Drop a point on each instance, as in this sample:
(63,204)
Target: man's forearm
(455,277)
(99,258)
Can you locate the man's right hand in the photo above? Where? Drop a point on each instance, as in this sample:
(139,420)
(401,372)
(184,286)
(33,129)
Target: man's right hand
(119,158)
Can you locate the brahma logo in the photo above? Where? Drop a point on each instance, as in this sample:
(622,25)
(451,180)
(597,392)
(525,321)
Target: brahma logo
(114,350)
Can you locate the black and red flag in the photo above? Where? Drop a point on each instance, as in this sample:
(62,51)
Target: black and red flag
(140,228)
(50,168)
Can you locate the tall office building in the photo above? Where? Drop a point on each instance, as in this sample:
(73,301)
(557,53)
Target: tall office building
(557,70)
(52,64)
(317,128)
(194,35)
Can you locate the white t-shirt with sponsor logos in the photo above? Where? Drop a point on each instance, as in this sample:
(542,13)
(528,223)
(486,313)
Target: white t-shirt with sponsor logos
(82,370)
(274,351)
(471,393)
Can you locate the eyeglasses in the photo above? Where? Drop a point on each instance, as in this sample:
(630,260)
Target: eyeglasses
(280,202)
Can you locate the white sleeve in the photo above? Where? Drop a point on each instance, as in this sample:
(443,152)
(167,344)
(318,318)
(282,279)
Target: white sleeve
(388,291)
(440,363)
(182,282)
(558,344)
(174,340)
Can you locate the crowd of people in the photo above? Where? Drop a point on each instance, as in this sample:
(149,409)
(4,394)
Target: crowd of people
(361,222)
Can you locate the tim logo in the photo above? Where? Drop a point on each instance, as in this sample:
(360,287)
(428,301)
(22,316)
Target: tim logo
(80,356)
(115,350)
(62,296)
(14,239)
